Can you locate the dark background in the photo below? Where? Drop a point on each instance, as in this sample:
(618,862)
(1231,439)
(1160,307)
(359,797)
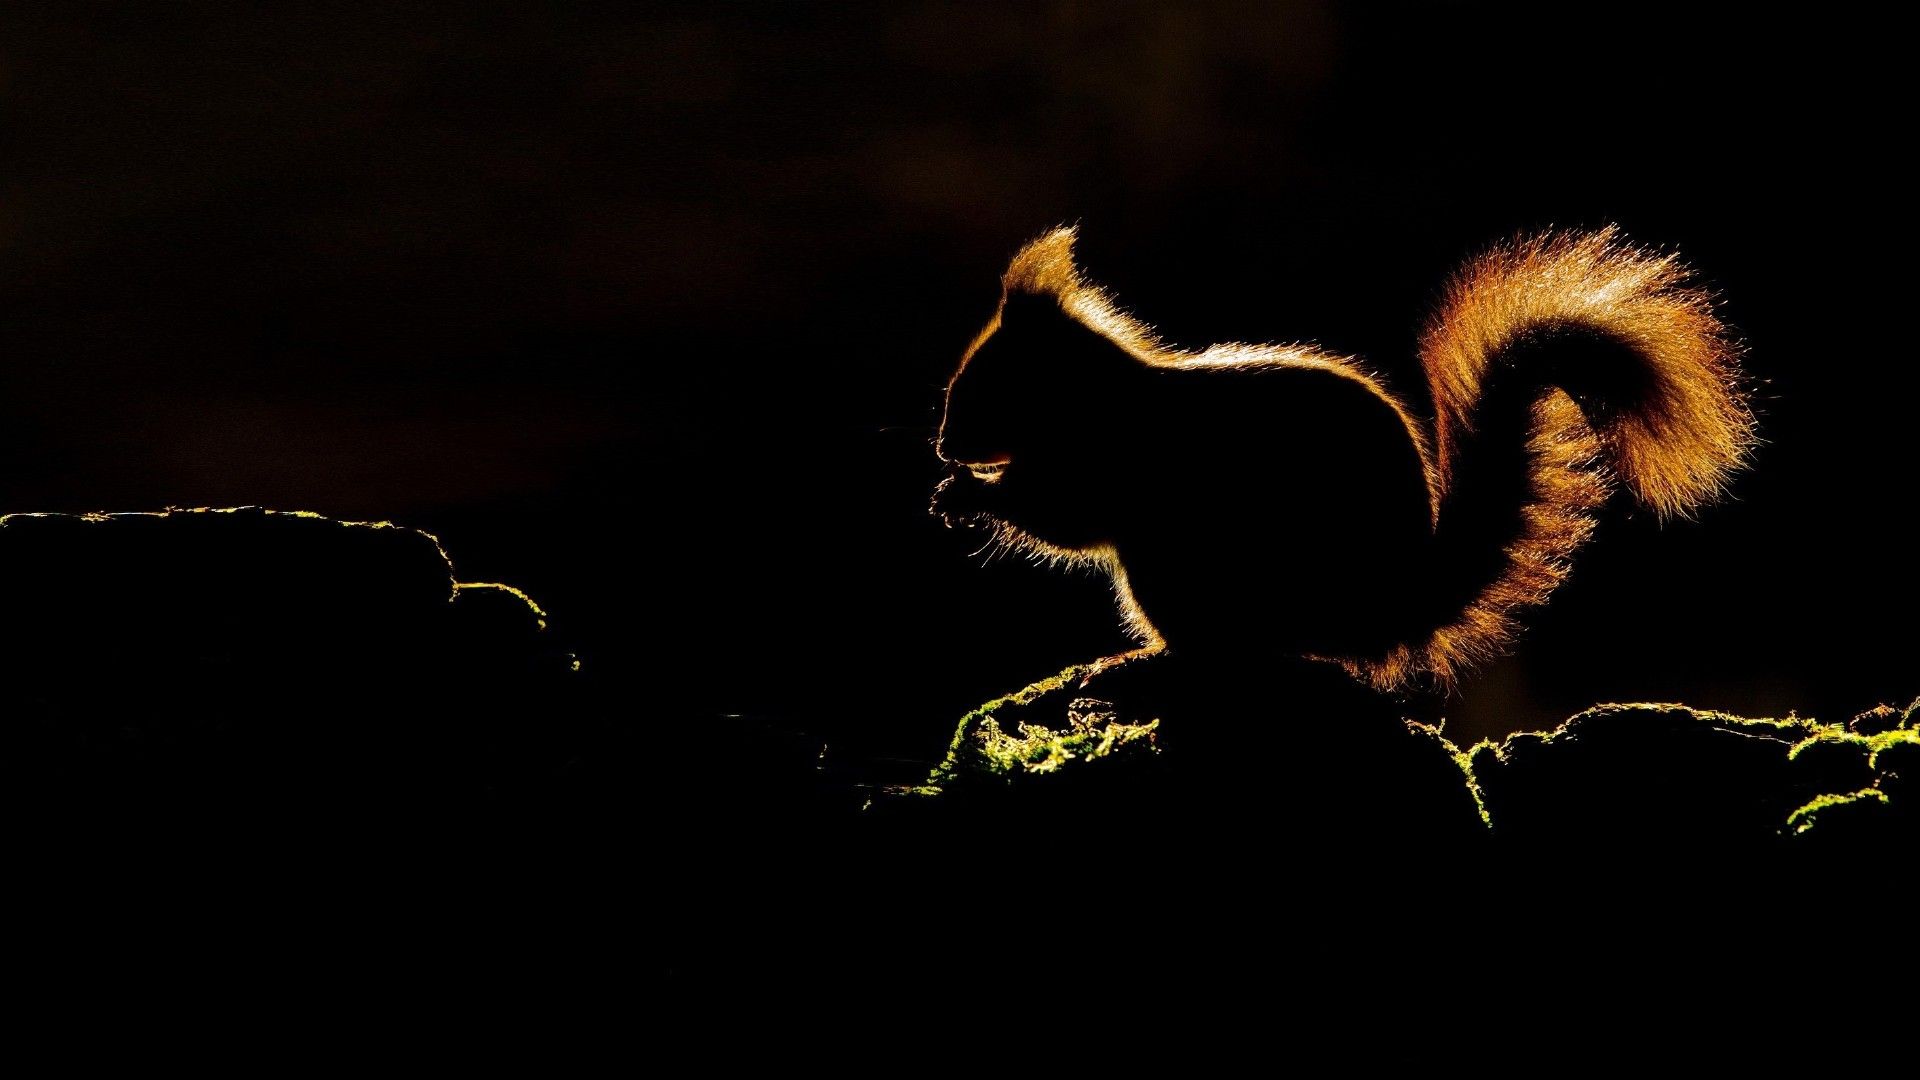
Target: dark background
(647,308)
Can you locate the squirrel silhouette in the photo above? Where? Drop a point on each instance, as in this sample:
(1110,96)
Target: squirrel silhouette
(1252,501)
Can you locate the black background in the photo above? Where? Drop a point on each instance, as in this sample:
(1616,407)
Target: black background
(647,308)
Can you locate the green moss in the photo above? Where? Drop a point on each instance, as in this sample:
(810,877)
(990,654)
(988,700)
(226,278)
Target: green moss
(956,749)
(1794,733)
(1022,735)
(1804,818)
(1463,759)
(1872,744)
(539,614)
(993,742)
(1036,749)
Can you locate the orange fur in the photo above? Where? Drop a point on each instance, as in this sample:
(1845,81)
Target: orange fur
(1691,431)
(1673,446)
(1557,363)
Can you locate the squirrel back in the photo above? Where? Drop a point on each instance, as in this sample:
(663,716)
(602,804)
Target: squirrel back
(1252,498)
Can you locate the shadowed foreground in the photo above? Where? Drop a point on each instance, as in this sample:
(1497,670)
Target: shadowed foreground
(269,681)
(1648,777)
(296,761)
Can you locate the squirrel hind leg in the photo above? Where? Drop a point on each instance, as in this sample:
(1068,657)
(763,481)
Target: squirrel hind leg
(1107,664)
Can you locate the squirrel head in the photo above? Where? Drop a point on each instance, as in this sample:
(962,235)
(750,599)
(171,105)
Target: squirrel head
(1037,423)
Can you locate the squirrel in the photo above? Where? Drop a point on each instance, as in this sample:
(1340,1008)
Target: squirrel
(1249,501)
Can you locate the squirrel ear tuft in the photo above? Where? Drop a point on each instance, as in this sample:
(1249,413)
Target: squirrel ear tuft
(1045,265)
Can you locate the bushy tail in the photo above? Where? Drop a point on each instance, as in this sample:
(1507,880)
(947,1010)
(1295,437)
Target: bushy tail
(1652,401)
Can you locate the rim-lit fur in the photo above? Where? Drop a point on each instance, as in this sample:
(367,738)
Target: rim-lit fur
(1672,434)
(1557,362)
